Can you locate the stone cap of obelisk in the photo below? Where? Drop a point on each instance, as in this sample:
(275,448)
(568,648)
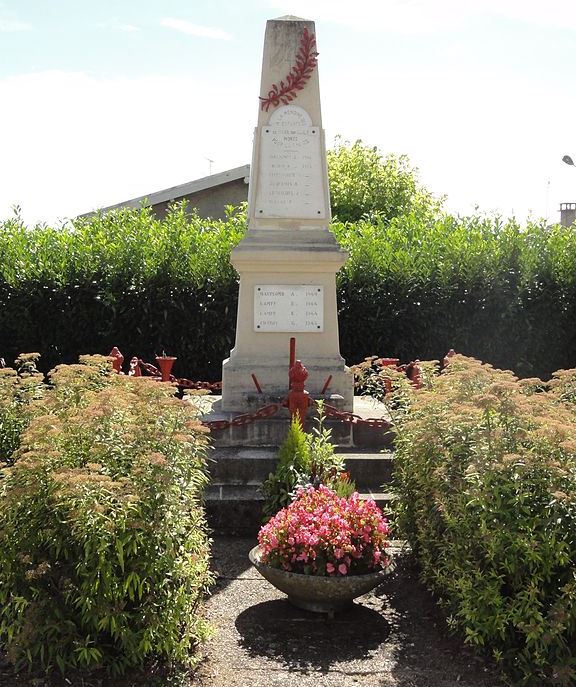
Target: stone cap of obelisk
(284,43)
(289,177)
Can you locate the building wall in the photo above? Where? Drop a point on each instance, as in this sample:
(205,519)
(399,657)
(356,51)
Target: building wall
(210,202)
(567,214)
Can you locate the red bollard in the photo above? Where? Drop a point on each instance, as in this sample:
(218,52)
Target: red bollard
(118,359)
(414,372)
(165,363)
(298,397)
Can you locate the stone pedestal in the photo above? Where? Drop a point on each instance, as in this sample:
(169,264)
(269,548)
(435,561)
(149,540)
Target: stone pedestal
(288,260)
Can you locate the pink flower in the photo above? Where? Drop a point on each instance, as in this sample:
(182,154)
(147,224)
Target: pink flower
(319,524)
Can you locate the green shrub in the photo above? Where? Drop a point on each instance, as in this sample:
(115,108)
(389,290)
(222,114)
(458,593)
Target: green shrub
(304,459)
(363,184)
(103,545)
(18,391)
(486,474)
(416,287)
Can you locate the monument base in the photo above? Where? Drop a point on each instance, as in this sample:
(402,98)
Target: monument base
(327,378)
(283,259)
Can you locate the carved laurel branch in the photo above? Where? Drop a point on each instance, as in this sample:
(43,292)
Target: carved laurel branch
(298,75)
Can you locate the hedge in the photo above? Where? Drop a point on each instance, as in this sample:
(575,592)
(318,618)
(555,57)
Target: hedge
(415,286)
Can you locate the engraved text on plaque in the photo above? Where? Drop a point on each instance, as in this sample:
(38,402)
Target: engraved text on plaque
(291,173)
(288,308)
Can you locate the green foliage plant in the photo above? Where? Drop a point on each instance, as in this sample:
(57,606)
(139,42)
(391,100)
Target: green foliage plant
(486,475)
(103,538)
(305,459)
(19,389)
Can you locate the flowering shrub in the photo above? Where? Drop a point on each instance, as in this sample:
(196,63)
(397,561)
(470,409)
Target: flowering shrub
(486,475)
(18,389)
(323,534)
(103,543)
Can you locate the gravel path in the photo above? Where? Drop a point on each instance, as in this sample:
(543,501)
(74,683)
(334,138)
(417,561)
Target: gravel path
(395,636)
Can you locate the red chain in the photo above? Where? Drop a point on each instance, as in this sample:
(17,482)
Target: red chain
(353,419)
(265,411)
(244,419)
(181,381)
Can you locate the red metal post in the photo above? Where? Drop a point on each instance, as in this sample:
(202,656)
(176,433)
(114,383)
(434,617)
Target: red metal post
(165,363)
(298,397)
(117,361)
(292,357)
(414,372)
(256,383)
(326,385)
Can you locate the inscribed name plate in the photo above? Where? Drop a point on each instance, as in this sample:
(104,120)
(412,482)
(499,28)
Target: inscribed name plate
(291,173)
(288,308)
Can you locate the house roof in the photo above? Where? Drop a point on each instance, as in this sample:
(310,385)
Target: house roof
(176,192)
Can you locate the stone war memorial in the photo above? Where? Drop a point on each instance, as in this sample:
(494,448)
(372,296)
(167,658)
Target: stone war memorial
(288,260)
(287,308)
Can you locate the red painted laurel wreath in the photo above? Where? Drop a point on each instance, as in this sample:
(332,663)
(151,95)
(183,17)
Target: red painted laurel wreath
(298,76)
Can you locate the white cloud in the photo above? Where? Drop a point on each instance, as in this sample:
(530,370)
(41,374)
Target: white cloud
(482,139)
(13,25)
(425,16)
(195,29)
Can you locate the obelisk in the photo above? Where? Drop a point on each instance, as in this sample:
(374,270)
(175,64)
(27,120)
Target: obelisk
(288,260)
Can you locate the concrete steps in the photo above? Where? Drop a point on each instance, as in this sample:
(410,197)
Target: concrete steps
(234,499)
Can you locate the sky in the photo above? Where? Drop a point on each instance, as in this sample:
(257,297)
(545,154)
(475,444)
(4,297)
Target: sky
(105,101)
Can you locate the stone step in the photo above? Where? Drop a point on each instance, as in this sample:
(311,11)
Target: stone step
(237,509)
(252,465)
(368,469)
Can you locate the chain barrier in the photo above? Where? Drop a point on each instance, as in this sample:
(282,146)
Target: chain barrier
(412,371)
(245,418)
(180,381)
(353,419)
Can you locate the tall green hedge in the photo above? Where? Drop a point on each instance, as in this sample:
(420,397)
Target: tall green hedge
(122,279)
(487,288)
(414,286)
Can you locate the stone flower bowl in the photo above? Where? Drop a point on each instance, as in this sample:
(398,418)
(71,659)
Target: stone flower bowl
(318,594)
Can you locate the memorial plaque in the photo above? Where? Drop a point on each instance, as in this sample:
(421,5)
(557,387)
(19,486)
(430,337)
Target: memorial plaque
(291,173)
(288,308)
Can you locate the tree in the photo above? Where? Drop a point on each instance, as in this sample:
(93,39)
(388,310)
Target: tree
(364,184)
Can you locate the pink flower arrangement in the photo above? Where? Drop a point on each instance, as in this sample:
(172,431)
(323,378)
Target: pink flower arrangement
(320,533)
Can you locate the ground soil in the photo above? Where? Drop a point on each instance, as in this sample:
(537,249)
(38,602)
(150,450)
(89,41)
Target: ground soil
(395,636)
